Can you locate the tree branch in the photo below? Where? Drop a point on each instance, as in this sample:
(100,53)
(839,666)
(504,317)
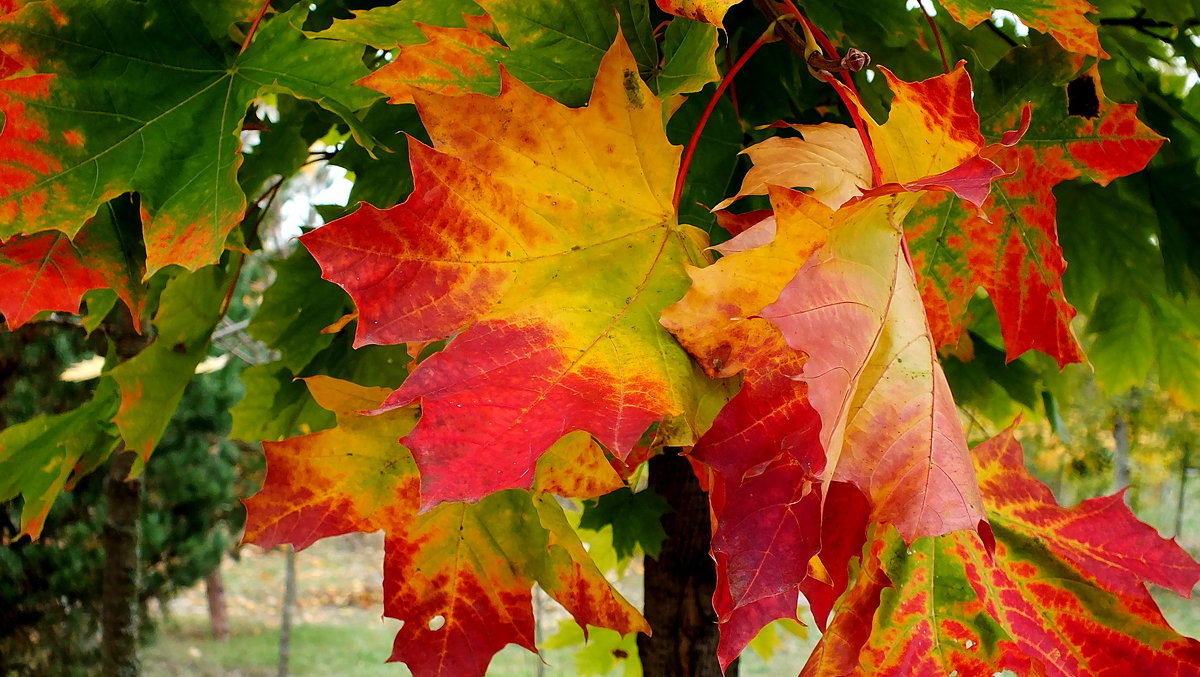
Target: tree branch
(1143,25)
(1003,36)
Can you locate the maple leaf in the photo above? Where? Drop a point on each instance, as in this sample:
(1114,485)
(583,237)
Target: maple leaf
(931,142)
(459,576)
(93,122)
(932,130)
(555,249)
(708,11)
(762,546)
(1066,21)
(152,382)
(403,23)
(875,410)
(452,61)
(528,40)
(888,422)
(820,309)
(912,611)
(1100,538)
(1062,592)
(50,271)
(830,159)
(553,47)
(40,455)
(1011,249)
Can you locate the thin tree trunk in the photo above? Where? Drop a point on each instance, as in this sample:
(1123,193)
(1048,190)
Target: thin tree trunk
(1121,453)
(218,611)
(1183,476)
(289,603)
(681,581)
(539,632)
(119,601)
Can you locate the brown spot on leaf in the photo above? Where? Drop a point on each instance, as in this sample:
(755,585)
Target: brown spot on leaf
(633,88)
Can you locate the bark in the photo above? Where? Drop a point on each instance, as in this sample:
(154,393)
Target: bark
(119,601)
(681,581)
(289,603)
(218,611)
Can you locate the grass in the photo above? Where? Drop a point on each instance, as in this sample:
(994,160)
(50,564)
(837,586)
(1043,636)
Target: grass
(184,647)
(339,631)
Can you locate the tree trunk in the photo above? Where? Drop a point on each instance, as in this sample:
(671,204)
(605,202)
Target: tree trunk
(1121,453)
(1183,477)
(289,603)
(680,582)
(119,601)
(218,611)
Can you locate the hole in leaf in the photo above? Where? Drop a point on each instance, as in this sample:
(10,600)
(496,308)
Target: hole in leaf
(1081,97)
(437,622)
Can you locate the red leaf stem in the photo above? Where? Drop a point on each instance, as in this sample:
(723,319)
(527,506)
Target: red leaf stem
(763,39)
(851,107)
(733,97)
(936,35)
(262,11)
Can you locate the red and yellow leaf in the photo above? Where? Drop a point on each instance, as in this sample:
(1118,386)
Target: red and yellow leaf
(1100,538)
(1011,249)
(1061,591)
(460,575)
(49,271)
(161,116)
(454,61)
(1066,21)
(576,467)
(542,238)
(888,421)
(708,11)
(819,308)
(912,612)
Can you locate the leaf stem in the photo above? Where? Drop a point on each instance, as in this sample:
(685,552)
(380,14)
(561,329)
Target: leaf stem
(690,150)
(937,35)
(270,194)
(262,11)
(848,93)
(733,97)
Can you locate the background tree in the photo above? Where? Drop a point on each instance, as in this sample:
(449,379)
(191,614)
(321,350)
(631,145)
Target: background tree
(189,520)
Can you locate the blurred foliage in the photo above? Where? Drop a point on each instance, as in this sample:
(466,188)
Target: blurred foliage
(50,588)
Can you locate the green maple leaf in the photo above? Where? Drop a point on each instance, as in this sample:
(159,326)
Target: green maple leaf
(122,95)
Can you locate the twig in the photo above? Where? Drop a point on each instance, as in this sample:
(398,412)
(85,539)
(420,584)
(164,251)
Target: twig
(262,11)
(685,164)
(848,93)
(733,97)
(237,273)
(1003,36)
(1142,22)
(937,35)
(230,328)
(1143,25)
